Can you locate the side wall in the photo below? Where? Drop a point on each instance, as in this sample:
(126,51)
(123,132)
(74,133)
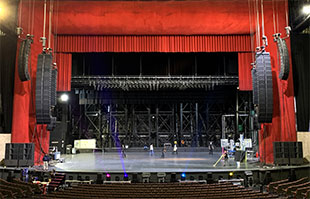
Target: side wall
(304,137)
(4,138)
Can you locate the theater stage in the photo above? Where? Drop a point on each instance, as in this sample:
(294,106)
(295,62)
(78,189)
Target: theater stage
(143,162)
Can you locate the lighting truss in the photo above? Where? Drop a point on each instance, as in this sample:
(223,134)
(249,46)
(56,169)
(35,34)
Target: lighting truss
(127,83)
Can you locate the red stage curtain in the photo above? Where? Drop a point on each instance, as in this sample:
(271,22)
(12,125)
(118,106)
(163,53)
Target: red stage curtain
(245,78)
(64,64)
(152,17)
(151,43)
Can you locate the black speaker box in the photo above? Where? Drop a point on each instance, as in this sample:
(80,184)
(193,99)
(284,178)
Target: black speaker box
(19,154)
(287,153)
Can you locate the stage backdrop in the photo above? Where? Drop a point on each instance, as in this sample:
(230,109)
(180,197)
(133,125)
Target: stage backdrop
(152,26)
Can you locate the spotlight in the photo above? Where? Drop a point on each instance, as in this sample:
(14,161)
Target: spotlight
(125,177)
(231,174)
(2,10)
(183,176)
(108,177)
(306,9)
(64,97)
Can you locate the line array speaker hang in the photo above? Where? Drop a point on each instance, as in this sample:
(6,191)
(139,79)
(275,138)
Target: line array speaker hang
(43,88)
(264,106)
(284,59)
(23,59)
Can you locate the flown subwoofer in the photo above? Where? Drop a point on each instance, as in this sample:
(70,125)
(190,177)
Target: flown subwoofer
(23,57)
(264,86)
(43,88)
(284,59)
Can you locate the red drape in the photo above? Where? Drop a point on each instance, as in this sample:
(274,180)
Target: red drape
(282,127)
(150,43)
(24,129)
(64,62)
(244,68)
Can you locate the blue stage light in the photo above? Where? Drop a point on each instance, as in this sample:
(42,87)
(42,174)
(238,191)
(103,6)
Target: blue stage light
(126,175)
(183,175)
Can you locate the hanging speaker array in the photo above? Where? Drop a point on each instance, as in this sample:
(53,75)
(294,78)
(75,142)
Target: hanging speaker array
(44,88)
(263,87)
(284,58)
(52,124)
(23,59)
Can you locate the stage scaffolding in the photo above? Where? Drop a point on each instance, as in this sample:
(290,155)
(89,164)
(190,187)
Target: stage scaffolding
(104,112)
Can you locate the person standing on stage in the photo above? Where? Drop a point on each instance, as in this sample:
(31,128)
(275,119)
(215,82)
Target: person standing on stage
(225,157)
(211,148)
(151,149)
(46,160)
(123,151)
(163,152)
(175,148)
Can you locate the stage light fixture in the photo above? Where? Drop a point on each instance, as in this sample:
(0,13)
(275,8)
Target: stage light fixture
(64,97)
(4,10)
(125,177)
(231,174)
(183,176)
(306,9)
(108,177)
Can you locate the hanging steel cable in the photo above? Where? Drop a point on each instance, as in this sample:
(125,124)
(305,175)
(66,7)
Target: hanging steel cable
(257,24)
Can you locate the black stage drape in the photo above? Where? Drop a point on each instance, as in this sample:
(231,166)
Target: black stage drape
(7,68)
(8,43)
(300,44)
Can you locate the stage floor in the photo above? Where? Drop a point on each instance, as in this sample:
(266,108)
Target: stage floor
(143,162)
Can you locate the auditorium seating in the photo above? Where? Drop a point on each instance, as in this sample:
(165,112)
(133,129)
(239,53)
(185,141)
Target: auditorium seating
(280,189)
(35,188)
(158,190)
(18,189)
(293,189)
